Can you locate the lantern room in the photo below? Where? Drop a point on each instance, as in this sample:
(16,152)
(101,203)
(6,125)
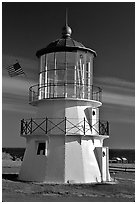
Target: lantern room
(66,70)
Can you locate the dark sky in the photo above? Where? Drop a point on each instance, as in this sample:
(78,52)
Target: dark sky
(107,28)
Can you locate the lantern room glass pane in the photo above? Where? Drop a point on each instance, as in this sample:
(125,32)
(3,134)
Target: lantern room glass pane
(42,63)
(60,67)
(50,61)
(66,74)
(60,76)
(71,59)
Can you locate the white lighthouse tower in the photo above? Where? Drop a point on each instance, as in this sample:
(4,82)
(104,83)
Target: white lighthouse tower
(64,143)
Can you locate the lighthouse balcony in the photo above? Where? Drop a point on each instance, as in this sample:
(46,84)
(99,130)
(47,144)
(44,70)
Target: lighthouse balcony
(64,90)
(65,126)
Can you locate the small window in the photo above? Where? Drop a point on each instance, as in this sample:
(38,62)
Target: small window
(104,154)
(42,148)
(93,113)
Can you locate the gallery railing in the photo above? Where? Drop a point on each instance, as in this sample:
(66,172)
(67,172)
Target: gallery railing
(64,90)
(64,126)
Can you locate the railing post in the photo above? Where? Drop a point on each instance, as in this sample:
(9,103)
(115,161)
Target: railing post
(34,96)
(31,125)
(65,125)
(46,125)
(107,128)
(84,126)
(38,91)
(92,93)
(30,94)
(22,121)
(26,127)
(100,94)
(99,127)
(64,89)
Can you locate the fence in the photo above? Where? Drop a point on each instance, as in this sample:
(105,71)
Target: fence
(64,126)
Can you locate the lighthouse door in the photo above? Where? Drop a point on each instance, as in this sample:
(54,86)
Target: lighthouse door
(105,164)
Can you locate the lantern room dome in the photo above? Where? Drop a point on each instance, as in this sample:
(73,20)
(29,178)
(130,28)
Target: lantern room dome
(65,43)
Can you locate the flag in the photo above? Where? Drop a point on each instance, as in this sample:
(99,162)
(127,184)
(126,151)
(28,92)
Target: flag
(15,70)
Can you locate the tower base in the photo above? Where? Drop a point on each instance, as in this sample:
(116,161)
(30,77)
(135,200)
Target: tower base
(64,159)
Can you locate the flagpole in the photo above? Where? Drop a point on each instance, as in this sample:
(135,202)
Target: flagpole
(27,80)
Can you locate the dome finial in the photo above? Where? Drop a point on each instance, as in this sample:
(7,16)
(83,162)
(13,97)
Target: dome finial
(66,30)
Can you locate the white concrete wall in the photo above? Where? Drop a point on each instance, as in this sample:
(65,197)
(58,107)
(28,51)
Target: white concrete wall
(82,165)
(73,110)
(77,111)
(34,166)
(54,110)
(76,116)
(73,160)
(44,168)
(91,168)
(98,141)
(51,108)
(56,160)
(57,107)
(93,119)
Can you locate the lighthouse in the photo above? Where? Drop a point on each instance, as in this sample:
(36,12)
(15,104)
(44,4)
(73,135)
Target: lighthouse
(65,142)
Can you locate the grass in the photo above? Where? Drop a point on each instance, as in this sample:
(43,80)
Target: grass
(17,191)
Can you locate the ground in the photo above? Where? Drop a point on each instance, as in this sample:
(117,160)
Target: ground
(17,191)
